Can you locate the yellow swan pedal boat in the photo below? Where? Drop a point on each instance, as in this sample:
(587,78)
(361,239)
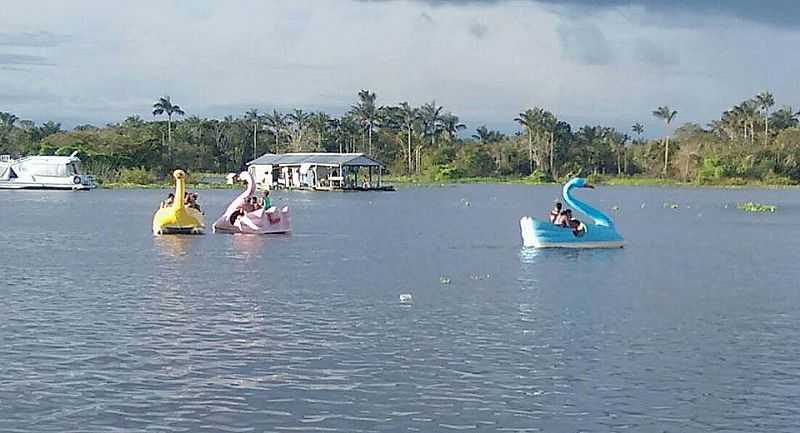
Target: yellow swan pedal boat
(178,218)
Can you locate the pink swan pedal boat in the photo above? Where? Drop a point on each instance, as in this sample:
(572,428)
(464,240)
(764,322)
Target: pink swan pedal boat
(258,222)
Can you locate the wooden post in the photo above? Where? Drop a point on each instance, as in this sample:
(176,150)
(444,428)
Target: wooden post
(380,175)
(370,176)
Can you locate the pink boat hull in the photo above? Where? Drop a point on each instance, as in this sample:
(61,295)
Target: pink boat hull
(257,222)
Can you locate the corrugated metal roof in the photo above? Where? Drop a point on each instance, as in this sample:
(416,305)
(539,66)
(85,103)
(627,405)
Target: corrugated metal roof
(351,159)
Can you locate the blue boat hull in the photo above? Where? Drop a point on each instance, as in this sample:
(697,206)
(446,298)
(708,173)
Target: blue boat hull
(543,234)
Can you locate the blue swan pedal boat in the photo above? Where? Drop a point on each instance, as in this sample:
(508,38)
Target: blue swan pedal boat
(599,234)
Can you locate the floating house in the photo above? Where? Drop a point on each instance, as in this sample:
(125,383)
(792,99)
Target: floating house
(43,172)
(318,171)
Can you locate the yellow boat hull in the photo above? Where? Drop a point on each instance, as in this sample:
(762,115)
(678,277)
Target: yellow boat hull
(177,218)
(170,220)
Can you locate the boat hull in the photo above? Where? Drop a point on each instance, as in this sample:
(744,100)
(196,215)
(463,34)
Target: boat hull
(85,185)
(259,222)
(543,234)
(170,220)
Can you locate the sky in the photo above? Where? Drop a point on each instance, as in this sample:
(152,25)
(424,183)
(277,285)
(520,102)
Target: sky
(608,62)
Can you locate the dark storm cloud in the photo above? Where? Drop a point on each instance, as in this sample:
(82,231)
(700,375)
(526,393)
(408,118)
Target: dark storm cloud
(782,13)
(584,44)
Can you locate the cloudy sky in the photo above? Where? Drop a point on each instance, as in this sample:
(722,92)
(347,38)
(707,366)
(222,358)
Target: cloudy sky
(589,61)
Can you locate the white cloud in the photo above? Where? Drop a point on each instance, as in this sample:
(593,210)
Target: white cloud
(483,62)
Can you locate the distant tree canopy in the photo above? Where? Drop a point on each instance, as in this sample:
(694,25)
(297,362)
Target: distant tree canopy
(750,141)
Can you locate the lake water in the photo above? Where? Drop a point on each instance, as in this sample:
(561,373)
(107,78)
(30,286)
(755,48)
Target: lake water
(693,327)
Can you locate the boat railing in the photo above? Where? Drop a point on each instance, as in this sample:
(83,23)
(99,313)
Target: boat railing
(5,158)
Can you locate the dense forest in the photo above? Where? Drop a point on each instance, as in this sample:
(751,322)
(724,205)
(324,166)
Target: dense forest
(750,142)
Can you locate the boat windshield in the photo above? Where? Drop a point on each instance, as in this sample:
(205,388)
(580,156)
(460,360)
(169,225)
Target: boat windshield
(72,169)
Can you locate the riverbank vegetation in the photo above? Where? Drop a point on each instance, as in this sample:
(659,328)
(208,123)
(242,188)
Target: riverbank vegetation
(749,144)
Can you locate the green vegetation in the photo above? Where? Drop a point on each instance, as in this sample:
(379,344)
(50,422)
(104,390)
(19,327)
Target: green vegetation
(748,145)
(135,176)
(756,207)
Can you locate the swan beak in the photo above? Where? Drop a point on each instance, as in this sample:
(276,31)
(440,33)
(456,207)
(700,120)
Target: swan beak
(588,185)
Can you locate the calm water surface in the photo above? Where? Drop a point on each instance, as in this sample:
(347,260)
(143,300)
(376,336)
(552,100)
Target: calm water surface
(693,327)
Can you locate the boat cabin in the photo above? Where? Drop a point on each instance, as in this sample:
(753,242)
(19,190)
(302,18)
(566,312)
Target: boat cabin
(43,172)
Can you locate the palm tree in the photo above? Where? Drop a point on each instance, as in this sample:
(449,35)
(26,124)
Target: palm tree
(8,120)
(408,116)
(616,142)
(133,122)
(530,120)
(165,105)
(276,123)
(366,113)
(638,128)
(481,134)
(666,114)
(765,100)
(431,116)
(348,130)
(300,121)
(252,116)
(487,136)
(451,125)
(749,112)
(785,117)
(321,123)
(49,128)
(548,125)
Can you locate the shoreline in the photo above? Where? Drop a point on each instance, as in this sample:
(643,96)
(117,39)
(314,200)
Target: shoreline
(733,183)
(194,186)
(404,181)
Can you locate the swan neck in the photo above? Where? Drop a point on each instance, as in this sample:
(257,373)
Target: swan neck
(598,217)
(180,190)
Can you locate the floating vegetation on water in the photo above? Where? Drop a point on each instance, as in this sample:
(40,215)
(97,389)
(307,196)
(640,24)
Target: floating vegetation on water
(756,207)
(672,205)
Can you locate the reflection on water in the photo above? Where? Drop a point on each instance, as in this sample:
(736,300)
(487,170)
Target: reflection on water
(530,255)
(105,329)
(174,246)
(249,245)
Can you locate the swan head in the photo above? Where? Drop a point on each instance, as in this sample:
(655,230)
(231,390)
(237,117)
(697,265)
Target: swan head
(179,174)
(580,182)
(245,176)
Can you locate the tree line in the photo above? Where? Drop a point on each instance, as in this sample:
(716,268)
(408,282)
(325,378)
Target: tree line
(748,142)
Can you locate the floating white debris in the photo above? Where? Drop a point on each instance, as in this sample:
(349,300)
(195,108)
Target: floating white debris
(444,280)
(406,298)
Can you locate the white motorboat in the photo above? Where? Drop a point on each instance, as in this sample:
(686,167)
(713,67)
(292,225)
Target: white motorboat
(43,172)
